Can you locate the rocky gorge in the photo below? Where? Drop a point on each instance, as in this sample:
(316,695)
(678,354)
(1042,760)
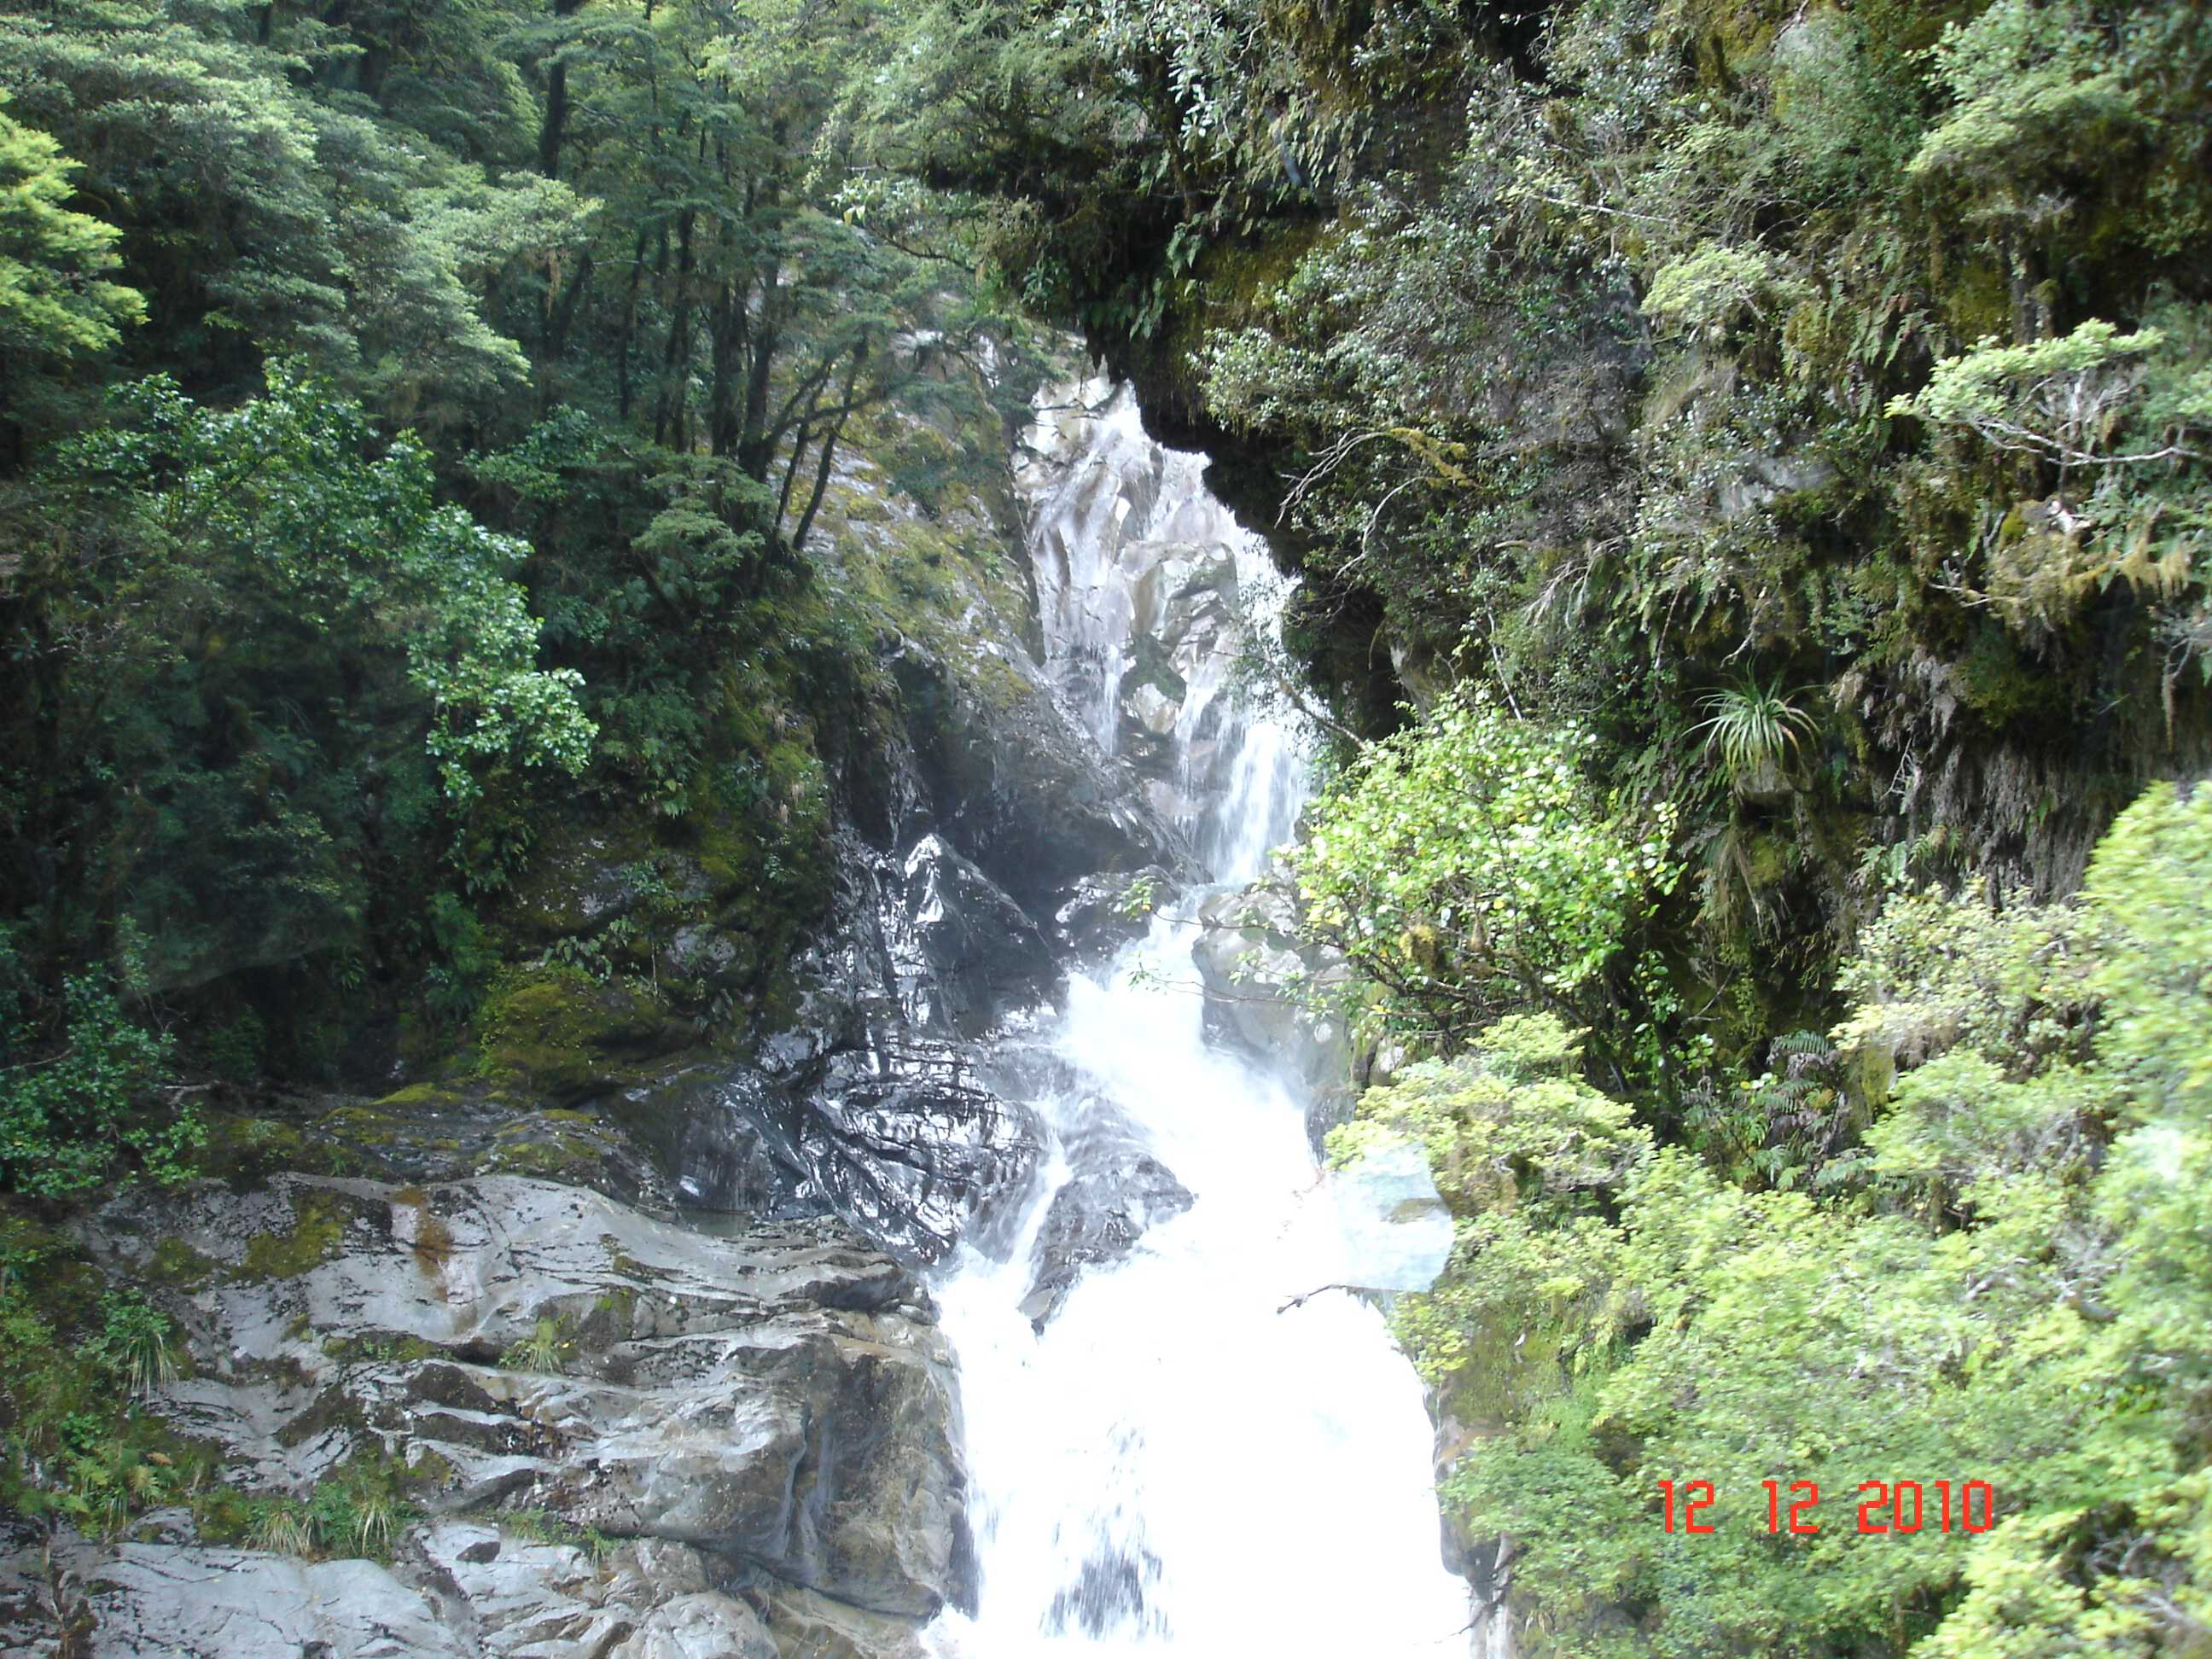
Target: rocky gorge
(615,1344)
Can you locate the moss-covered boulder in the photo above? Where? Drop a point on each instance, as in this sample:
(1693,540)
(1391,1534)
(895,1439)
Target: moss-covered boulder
(558,1031)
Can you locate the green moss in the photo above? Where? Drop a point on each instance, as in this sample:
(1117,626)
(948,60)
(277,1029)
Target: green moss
(1976,301)
(245,1151)
(333,1408)
(392,1350)
(543,1526)
(176,1264)
(557,1030)
(363,1126)
(1233,282)
(423,1097)
(546,1154)
(429,1470)
(222,1514)
(316,1237)
(611,1320)
(1995,681)
(78,1446)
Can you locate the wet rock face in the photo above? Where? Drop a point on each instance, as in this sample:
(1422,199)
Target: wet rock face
(454,1590)
(1099,914)
(868,1107)
(1021,790)
(771,1410)
(982,952)
(1144,582)
(904,1141)
(899,1139)
(1248,955)
(1097,1217)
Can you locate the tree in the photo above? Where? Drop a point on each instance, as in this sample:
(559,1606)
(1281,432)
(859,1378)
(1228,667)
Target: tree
(246,638)
(1468,868)
(54,261)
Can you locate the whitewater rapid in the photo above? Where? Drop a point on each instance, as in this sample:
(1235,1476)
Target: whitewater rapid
(1205,1452)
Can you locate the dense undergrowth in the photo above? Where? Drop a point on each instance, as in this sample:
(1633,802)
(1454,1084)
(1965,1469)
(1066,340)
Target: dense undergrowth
(1990,1266)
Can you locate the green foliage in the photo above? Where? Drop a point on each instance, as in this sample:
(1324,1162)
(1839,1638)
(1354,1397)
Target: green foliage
(75,1447)
(135,1344)
(279,498)
(359,1512)
(54,292)
(282,1527)
(2059,399)
(543,1526)
(2005,1281)
(1592,397)
(1708,292)
(547,1347)
(65,1115)
(1753,728)
(1467,867)
(454,318)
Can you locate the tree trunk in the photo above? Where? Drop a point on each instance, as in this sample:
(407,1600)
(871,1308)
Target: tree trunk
(553,128)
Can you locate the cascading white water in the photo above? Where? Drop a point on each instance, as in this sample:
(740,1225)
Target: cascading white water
(1142,572)
(1186,1459)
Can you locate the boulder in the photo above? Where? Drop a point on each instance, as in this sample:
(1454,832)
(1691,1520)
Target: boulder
(776,1406)
(1095,916)
(166,1601)
(977,952)
(1019,788)
(705,1625)
(1097,1217)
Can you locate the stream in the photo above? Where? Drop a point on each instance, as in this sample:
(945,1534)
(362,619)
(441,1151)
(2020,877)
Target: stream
(1184,1458)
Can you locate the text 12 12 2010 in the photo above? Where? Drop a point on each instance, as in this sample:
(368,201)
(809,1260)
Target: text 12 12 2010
(1883,1506)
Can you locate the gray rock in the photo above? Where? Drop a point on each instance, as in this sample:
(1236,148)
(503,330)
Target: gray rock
(1093,918)
(1097,1217)
(776,1404)
(982,952)
(156,1601)
(1019,788)
(811,1627)
(706,1624)
(899,1139)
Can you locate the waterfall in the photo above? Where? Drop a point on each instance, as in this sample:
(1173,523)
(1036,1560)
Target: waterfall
(1201,1450)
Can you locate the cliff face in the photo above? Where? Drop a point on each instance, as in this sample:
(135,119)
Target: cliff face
(602,1335)
(564,1427)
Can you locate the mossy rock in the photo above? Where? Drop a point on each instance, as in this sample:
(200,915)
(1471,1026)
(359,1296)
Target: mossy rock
(423,1097)
(574,884)
(178,1265)
(245,1149)
(316,1235)
(542,1146)
(1734,36)
(379,1349)
(557,1031)
(1998,684)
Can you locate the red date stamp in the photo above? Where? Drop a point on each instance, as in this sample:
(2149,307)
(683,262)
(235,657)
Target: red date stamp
(1902,1506)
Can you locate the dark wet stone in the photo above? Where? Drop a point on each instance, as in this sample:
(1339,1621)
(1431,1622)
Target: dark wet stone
(1097,1217)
